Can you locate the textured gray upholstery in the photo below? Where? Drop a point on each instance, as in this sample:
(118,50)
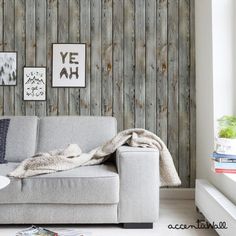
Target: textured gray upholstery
(84,185)
(91,194)
(57,213)
(87,131)
(138,169)
(21,137)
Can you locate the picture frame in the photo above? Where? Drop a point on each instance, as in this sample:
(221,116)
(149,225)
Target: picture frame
(34,83)
(68,65)
(8,68)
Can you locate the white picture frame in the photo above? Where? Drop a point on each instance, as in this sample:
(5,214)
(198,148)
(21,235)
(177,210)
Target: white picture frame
(34,84)
(68,65)
(8,68)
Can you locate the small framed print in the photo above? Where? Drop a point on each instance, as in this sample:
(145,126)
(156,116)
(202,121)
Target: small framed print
(8,68)
(68,65)
(34,84)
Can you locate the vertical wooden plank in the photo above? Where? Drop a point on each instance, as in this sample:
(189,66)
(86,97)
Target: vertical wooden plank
(140,63)
(74,36)
(52,108)
(184,161)
(150,95)
(85,38)
(107,57)
(173,80)
(1,48)
(118,44)
(41,51)
(162,65)
(192,97)
(63,23)
(30,45)
(95,57)
(20,48)
(9,45)
(129,117)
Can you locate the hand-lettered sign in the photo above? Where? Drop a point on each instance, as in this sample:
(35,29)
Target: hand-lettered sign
(68,65)
(34,84)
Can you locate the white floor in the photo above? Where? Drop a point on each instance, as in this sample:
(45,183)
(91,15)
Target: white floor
(171,212)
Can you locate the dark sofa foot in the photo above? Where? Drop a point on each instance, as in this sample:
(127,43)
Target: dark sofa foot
(138,225)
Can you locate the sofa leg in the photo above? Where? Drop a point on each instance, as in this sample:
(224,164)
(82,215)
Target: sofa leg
(138,225)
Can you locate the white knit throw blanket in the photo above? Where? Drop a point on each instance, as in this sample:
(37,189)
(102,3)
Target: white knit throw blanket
(72,157)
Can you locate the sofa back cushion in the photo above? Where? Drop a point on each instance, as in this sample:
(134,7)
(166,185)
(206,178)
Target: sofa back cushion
(86,131)
(21,138)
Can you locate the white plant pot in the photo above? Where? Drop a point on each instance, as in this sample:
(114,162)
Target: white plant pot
(225,146)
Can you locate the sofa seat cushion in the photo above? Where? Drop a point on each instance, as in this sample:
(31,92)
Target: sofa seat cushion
(83,185)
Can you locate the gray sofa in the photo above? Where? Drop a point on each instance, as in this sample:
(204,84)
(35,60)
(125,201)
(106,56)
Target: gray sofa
(124,190)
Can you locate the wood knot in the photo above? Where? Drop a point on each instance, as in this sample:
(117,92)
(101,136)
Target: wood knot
(109,66)
(163,67)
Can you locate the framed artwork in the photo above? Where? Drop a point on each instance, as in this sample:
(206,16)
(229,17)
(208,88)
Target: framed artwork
(8,68)
(68,65)
(34,84)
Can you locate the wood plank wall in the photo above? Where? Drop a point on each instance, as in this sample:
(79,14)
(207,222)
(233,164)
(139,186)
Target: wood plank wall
(140,64)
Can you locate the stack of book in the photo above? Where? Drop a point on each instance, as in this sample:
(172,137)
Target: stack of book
(224,163)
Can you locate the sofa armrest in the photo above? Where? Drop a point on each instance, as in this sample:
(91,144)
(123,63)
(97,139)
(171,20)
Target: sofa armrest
(138,170)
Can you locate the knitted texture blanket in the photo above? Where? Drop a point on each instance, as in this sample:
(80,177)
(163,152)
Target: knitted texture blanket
(72,157)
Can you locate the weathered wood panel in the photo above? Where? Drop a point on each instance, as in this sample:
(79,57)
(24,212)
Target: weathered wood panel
(107,65)
(74,37)
(63,37)
(192,134)
(85,38)
(9,45)
(162,68)
(118,44)
(52,108)
(20,48)
(184,83)
(129,64)
(41,54)
(151,64)
(140,64)
(95,81)
(173,62)
(30,46)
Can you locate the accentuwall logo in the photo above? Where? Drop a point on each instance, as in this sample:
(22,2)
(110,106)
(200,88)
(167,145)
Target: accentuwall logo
(200,224)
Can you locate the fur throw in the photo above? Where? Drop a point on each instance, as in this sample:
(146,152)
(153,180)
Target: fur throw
(72,157)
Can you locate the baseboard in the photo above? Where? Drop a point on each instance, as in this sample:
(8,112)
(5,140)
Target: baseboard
(216,207)
(177,193)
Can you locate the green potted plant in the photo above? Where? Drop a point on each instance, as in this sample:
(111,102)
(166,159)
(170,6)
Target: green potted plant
(226,139)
